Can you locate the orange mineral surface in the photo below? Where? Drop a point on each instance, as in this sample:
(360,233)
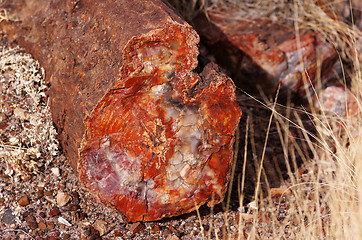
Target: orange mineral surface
(161,140)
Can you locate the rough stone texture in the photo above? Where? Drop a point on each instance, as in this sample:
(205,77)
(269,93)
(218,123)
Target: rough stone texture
(265,53)
(146,134)
(337,100)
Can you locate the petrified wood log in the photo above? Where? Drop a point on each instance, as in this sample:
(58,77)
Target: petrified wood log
(146,133)
(265,53)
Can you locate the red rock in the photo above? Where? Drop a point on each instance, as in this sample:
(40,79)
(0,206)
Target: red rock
(172,237)
(23,201)
(54,212)
(50,225)
(118,233)
(2,117)
(155,228)
(42,226)
(31,221)
(48,193)
(265,53)
(40,192)
(136,228)
(75,196)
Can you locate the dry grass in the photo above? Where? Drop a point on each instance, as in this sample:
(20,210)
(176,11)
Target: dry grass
(323,202)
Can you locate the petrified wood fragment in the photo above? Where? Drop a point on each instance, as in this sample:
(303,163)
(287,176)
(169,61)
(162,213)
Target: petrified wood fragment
(265,53)
(337,100)
(146,134)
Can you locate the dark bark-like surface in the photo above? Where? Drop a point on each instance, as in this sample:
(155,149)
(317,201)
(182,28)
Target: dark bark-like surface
(145,133)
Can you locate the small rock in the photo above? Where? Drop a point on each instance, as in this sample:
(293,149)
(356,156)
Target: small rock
(55,171)
(2,117)
(65,236)
(21,113)
(72,207)
(86,232)
(54,212)
(118,233)
(40,193)
(155,228)
(64,221)
(51,199)
(42,226)
(50,225)
(166,232)
(92,233)
(136,228)
(101,226)
(173,230)
(48,193)
(82,216)
(75,196)
(14,141)
(26,177)
(172,237)
(23,201)
(31,221)
(337,100)
(63,198)
(279,191)
(8,217)
(42,214)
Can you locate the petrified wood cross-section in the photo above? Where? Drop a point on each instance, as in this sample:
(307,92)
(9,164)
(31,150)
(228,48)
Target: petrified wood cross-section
(145,133)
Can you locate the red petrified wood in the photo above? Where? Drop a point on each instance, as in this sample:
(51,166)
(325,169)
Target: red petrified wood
(146,134)
(266,53)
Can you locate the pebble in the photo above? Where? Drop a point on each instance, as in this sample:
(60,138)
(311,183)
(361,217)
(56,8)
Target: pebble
(54,212)
(155,228)
(8,217)
(72,207)
(75,196)
(21,113)
(55,171)
(166,232)
(136,228)
(64,221)
(65,236)
(23,201)
(40,193)
(26,177)
(279,191)
(63,198)
(42,226)
(101,227)
(2,117)
(48,193)
(31,221)
(91,233)
(42,215)
(172,237)
(118,233)
(173,230)
(50,225)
